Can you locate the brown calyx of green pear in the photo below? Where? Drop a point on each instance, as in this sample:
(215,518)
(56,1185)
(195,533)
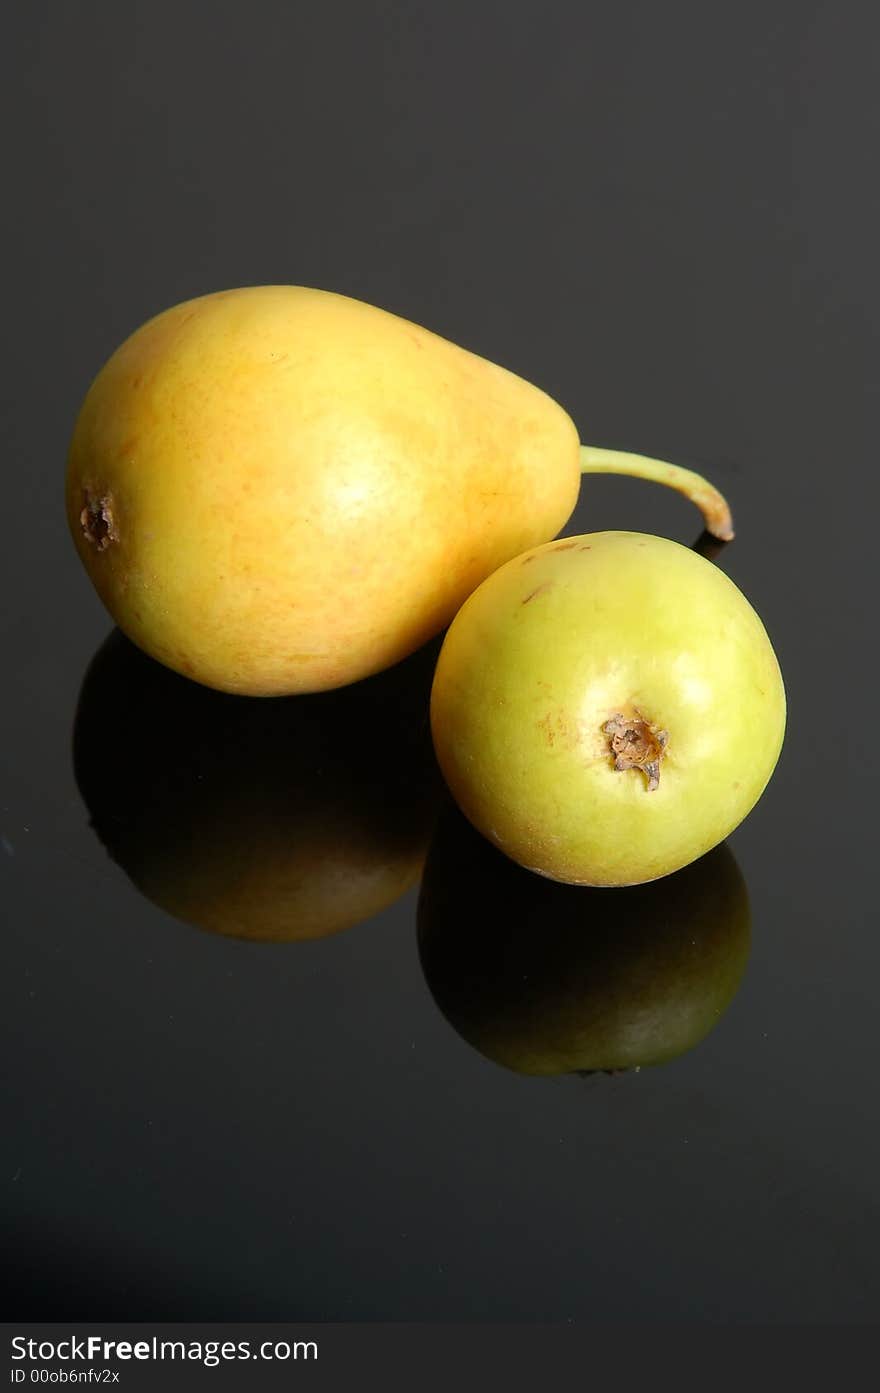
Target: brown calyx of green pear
(636,744)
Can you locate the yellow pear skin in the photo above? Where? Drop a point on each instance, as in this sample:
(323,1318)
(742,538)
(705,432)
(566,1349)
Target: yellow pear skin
(279,490)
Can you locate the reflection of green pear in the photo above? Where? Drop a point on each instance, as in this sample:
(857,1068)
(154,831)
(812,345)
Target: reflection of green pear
(283,818)
(547,978)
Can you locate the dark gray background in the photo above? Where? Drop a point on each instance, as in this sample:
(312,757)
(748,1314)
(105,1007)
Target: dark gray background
(666,216)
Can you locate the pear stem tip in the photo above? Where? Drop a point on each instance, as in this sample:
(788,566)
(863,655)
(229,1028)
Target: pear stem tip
(711,503)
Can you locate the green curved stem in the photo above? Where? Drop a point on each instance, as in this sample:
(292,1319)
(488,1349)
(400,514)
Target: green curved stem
(712,504)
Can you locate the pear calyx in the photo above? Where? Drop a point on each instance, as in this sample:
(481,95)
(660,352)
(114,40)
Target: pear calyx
(97,520)
(636,744)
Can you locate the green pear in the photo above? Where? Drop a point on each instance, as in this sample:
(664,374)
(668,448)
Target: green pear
(545,978)
(607,708)
(273,820)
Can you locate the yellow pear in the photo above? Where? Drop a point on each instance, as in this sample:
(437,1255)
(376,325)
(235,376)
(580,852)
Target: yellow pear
(279,490)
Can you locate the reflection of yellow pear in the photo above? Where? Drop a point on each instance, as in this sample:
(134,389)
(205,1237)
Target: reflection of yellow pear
(280,490)
(548,979)
(285,819)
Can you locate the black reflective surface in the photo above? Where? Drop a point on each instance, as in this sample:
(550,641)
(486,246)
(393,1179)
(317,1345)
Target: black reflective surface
(666,216)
